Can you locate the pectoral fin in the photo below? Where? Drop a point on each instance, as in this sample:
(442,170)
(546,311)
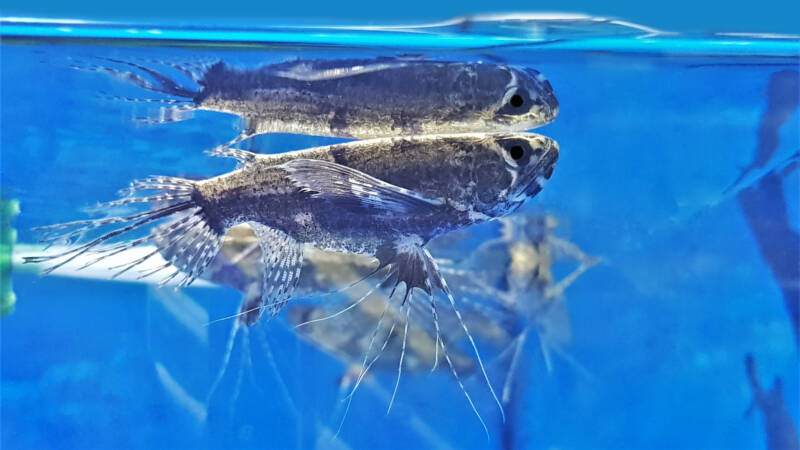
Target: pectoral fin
(349,186)
(314,71)
(412,265)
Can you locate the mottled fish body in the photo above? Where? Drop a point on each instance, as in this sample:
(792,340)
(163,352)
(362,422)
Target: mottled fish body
(447,181)
(360,99)
(367,196)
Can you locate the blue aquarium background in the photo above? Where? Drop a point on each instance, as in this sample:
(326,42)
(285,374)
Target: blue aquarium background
(653,129)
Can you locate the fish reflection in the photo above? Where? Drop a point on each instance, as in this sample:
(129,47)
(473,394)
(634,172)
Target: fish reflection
(354,98)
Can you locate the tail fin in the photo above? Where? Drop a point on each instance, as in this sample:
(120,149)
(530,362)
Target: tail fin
(179,105)
(147,78)
(188,242)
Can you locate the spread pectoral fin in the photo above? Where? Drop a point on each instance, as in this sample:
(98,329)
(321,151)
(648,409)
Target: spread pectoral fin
(316,71)
(412,265)
(282,257)
(348,185)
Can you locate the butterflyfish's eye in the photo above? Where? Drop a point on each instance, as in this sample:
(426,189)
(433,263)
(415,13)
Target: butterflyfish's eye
(516,101)
(516,151)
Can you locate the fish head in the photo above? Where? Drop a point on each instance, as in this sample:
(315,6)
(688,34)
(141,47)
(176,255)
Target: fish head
(513,168)
(528,101)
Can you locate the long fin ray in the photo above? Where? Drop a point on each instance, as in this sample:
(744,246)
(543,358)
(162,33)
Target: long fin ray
(518,345)
(187,242)
(463,389)
(226,358)
(341,311)
(402,356)
(166,85)
(160,101)
(73,253)
(157,82)
(446,290)
(362,373)
(262,338)
(417,269)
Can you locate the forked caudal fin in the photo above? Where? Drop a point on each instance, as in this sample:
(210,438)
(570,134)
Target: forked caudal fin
(407,262)
(186,239)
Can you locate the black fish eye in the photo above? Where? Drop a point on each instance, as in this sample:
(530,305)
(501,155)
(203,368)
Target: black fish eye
(517,102)
(516,152)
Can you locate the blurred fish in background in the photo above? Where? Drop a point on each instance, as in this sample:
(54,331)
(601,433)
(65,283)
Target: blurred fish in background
(781,432)
(515,271)
(763,201)
(765,208)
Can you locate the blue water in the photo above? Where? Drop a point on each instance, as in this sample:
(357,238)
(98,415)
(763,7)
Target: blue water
(652,130)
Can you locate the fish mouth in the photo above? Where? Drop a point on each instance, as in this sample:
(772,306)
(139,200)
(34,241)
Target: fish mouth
(547,101)
(550,106)
(538,174)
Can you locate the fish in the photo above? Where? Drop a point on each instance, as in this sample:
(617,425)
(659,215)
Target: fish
(783,98)
(509,283)
(762,198)
(779,426)
(348,98)
(384,197)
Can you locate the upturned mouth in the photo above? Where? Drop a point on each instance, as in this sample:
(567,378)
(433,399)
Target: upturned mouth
(547,96)
(551,106)
(539,173)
